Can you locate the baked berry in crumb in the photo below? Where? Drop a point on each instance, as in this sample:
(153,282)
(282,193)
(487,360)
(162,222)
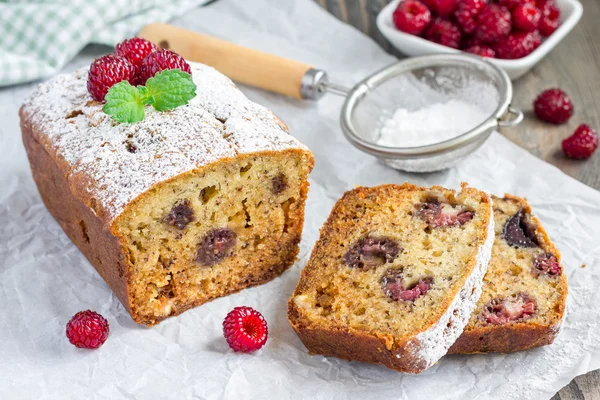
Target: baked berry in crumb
(371,252)
(526,17)
(442,215)
(546,263)
(493,23)
(513,308)
(393,286)
(135,50)
(245,329)
(466,12)
(582,143)
(107,71)
(554,106)
(87,330)
(161,60)
(518,45)
(444,32)
(482,51)
(411,16)
(443,8)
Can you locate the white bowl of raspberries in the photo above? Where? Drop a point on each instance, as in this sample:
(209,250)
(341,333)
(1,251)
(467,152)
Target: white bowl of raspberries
(513,34)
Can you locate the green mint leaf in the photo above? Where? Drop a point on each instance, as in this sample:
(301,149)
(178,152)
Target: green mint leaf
(124,103)
(169,89)
(145,95)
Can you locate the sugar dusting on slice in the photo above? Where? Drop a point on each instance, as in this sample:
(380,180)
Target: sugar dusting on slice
(432,344)
(115,163)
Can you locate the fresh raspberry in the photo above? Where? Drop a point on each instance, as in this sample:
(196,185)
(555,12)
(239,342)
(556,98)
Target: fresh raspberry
(518,45)
(87,330)
(482,51)
(105,72)
(549,8)
(245,329)
(444,32)
(547,26)
(526,17)
(581,144)
(135,50)
(493,23)
(412,17)
(554,106)
(550,17)
(161,60)
(470,41)
(443,8)
(466,12)
(511,4)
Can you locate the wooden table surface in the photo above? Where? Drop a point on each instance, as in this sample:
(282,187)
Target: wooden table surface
(574,66)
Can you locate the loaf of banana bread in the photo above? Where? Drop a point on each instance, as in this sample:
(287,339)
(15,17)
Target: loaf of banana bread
(178,209)
(395,275)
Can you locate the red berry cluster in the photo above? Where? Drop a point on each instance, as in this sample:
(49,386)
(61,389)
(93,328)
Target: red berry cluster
(555,107)
(135,60)
(507,29)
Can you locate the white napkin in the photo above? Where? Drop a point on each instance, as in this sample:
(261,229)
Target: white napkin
(44,279)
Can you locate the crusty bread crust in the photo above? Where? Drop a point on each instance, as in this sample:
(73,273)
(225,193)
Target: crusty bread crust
(84,224)
(405,355)
(516,336)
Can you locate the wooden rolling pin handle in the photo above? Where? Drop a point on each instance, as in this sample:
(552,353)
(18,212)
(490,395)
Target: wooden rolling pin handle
(241,64)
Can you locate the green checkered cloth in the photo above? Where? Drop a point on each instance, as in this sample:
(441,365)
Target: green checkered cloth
(37,38)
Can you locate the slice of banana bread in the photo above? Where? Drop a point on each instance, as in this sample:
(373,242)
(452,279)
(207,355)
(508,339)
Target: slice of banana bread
(178,209)
(524,291)
(395,275)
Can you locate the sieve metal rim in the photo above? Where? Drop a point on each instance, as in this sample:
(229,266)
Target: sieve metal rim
(362,89)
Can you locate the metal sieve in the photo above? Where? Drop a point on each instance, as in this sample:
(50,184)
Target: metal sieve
(444,76)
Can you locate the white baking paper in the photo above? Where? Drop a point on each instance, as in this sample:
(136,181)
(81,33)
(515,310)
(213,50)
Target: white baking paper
(44,279)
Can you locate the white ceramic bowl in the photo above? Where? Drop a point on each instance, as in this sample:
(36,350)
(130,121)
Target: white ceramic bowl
(570,13)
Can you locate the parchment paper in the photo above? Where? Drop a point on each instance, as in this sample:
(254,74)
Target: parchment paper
(44,279)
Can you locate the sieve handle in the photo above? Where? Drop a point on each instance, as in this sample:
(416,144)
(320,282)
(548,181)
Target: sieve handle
(516,116)
(241,64)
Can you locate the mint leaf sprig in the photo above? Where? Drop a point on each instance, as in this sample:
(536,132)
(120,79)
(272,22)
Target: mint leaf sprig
(165,91)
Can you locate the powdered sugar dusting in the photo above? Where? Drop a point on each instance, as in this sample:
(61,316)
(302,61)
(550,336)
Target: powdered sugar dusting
(432,344)
(115,163)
